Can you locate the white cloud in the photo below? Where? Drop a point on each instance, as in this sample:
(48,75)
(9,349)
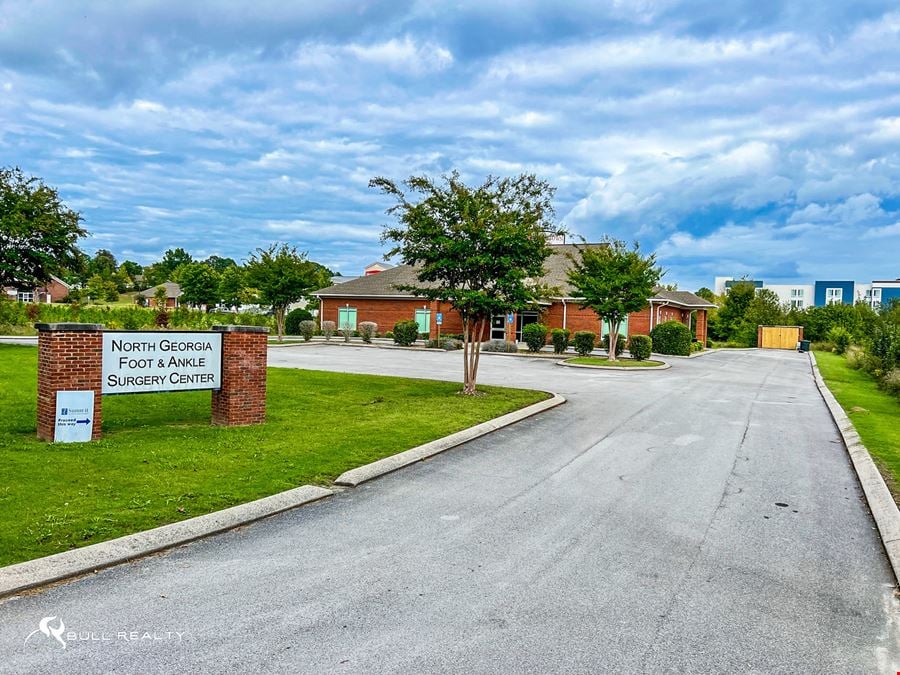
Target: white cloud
(886,231)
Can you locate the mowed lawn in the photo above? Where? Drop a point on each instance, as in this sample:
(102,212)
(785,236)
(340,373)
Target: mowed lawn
(874,413)
(160,461)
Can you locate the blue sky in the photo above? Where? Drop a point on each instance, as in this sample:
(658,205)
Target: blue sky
(732,138)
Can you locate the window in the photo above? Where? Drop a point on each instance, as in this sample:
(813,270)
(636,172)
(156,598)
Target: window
(346,317)
(876,297)
(834,296)
(797,300)
(24,296)
(423,318)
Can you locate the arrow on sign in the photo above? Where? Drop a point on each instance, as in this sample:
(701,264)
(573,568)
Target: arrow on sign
(82,421)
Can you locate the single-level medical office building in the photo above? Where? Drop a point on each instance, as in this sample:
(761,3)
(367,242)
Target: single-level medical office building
(375,297)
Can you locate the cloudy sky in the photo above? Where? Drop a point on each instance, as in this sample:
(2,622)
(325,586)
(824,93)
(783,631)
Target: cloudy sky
(732,137)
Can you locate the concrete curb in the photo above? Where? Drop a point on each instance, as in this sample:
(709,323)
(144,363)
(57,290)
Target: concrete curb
(361,474)
(33,573)
(881,502)
(636,369)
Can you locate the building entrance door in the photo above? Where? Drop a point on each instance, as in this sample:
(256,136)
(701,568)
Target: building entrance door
(498,327)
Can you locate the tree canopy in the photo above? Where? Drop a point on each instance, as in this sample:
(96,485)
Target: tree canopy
(614,281)
(281,276)
(38,233)
(199,285)
(475,248)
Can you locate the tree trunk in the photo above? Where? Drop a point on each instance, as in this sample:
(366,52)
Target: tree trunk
(466,347)
(279,323)
(613,339)
(484,323)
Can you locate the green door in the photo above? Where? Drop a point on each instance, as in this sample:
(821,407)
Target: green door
(423,318)
(346,317)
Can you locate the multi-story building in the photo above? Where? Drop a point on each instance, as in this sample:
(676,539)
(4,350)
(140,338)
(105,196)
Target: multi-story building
(821,293)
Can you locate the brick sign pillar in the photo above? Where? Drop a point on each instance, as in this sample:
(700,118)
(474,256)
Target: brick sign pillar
(69,359)
(242,398)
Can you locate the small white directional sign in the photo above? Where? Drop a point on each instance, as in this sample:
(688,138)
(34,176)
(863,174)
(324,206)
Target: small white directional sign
(74,416)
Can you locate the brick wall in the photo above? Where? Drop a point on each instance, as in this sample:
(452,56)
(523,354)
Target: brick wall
(242,398)
(69,359)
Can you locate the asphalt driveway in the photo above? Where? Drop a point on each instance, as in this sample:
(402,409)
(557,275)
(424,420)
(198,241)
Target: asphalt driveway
(699,519)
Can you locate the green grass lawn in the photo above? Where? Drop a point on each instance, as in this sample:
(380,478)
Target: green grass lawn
(618,363)
(160,461)
(874,413)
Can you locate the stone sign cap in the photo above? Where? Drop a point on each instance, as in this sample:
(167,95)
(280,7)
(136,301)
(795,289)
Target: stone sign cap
(241,329)
(82,327)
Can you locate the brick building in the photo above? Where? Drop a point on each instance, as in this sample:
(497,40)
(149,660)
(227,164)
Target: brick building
(375,297)
(173,293)
(55,290)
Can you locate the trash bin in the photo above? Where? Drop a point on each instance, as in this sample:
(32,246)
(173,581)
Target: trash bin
(803,346)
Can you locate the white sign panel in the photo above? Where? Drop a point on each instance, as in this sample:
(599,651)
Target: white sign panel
(74,416)
(161,361)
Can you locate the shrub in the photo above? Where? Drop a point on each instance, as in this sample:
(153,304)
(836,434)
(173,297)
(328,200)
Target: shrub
(535,336)
(855,357)
(406,332)
(367,330)
(328,329)
(891,382)
(696,346)
(162,319)
(620,344)
(347,332)
(640,346)
(560,339)
(671,337)
(840,336)
(584,341)
(389,335)
(307,329)
(293,319)
(448,343)
(499,346)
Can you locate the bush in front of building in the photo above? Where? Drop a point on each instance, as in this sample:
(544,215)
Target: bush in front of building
(671,337)
(696,346)
(620,344)
(406,332)
(367,330)
(535,336)
(328,328)
(346,332)
(840,338)
(640,347)
(499,346)
(560,339)
(446,343)
(293,319)
(307,329)
(584,341)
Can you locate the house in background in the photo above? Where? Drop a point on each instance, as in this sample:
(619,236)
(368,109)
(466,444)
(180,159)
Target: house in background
(55,290)
(376,297)
(173,292)
(375,268)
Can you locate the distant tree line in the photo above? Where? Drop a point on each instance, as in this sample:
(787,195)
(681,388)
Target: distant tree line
(39,238)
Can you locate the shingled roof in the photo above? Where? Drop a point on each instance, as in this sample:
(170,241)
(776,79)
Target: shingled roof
(684,299)
(384,284)
(556,276)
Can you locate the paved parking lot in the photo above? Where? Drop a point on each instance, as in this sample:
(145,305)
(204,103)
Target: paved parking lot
(699,519)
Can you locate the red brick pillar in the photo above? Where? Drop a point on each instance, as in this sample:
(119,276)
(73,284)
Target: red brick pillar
(701,326)
(242,398)
(69,359)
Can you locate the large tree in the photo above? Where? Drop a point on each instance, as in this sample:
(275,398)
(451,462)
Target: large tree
(475,248)
(173,259)
(232,287)
(730,317)
(199,285)
(281,276)
(38,233)
(614,281)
